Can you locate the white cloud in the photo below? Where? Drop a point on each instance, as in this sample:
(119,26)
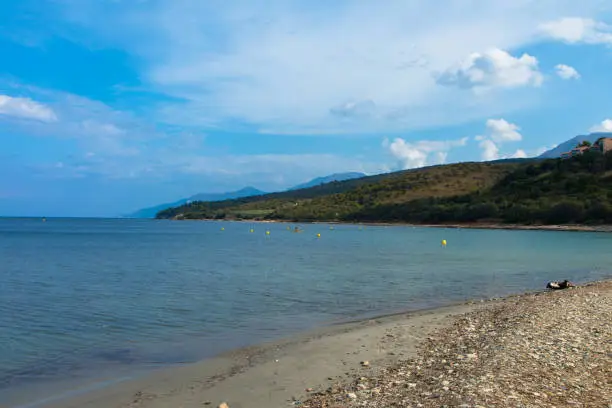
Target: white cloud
(94,125)
(604,126)
(499,131)
(574,30)
(490,151)
(491,69)
(417,154)
(292,67)
(25,108)
(566,72)
(502,131)
(519,154)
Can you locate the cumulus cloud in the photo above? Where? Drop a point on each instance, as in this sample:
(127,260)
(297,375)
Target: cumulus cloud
(491,69)
(424,152)
(490,151)
(566,72)
(499,131)
(502,131)
(25,108)
(519,154)
(604,126)
(575,30)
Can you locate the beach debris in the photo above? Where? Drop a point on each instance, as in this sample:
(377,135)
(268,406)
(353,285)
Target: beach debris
(554,285)
(309,389)
(223,405)
(365,363)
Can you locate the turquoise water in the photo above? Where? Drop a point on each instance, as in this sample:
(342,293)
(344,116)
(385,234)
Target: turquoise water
(86,298)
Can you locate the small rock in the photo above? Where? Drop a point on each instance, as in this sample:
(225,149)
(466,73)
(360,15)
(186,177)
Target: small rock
(352,395)
(309,389)
(206,403)
(365,363)
(223,405)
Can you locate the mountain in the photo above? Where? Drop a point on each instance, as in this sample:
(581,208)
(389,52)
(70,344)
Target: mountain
(337,200)
(151,212)
(328,179)
(572,191)
(570,144)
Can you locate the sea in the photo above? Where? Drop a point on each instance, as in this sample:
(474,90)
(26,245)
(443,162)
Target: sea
(95,301)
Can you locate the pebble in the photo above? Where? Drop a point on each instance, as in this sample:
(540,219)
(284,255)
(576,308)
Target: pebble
(484,354)
(352,395)
(223,405)
(365,363)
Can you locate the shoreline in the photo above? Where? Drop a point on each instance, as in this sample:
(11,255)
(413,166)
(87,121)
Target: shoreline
(124,392)
(483,226)
(273,373)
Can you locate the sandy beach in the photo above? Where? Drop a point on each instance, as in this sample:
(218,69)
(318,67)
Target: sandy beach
(325,368)
(276,374)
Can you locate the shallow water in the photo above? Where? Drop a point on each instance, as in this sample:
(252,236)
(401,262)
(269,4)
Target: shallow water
(92,298)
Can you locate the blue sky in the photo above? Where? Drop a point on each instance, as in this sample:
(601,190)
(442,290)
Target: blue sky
(110,106)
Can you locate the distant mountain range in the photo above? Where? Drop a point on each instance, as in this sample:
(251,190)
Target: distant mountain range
(151,212)
(570,144)
(328,179)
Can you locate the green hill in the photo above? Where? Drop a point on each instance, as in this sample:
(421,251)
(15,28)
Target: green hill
(577,190)
(346,199)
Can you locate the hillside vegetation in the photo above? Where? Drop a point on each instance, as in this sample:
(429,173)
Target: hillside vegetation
(577,190)
(353,199)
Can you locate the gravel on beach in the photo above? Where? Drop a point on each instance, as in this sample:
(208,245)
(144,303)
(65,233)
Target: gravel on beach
(548,349)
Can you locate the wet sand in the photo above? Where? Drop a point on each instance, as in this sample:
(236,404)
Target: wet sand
(274,374)
(320,368)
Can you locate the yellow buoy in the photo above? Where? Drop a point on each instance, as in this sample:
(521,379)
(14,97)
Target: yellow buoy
(222,229)
(443,242)
(318,235)
(252,230)
(267,232)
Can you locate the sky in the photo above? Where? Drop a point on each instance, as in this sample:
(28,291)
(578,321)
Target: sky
(108,106)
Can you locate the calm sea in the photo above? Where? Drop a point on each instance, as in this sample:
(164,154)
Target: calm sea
(93,298)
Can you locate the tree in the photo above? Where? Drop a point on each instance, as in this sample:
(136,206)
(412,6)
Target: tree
(585,143)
